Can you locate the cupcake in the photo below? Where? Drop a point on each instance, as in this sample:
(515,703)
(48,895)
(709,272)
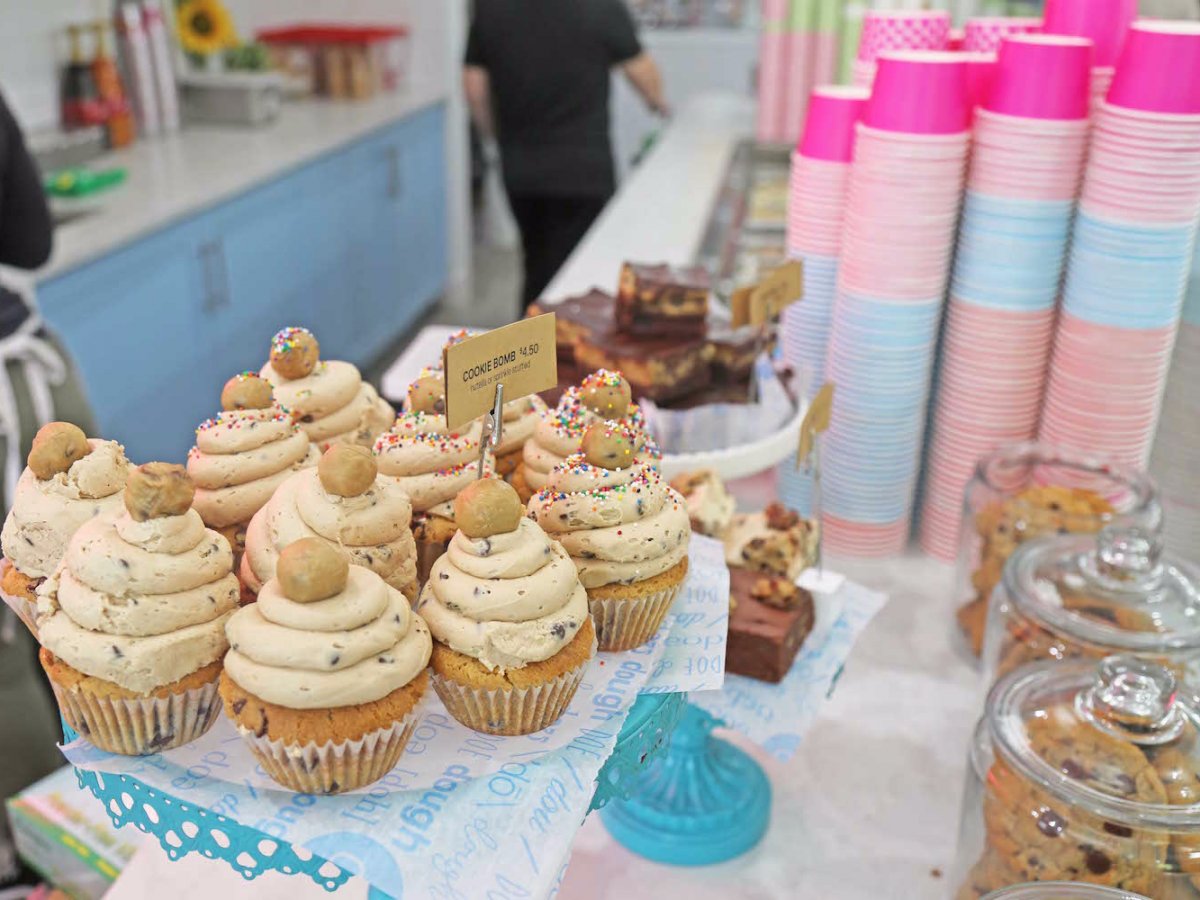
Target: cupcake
(243,455)
(327,398)
(520,417)
(70,479)
(512,634)
(345,502)
(626,530)
(603,395)
(132,623)
(324,672)
(432,463)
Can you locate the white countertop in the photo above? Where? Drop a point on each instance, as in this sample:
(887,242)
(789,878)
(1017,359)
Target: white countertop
(173,177)
(663,207)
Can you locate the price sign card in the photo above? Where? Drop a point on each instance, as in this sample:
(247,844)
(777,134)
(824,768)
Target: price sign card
(763,302)
(521,356)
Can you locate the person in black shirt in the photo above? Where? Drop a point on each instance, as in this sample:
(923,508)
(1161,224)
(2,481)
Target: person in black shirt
(536,77)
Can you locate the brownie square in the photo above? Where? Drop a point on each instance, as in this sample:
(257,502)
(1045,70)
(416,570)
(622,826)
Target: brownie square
(662,300)
(734,351)
(662,368)
(764,639)
(575,318)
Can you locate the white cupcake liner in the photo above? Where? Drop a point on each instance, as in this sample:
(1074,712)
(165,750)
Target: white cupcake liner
(142,726)
(513,711)
(332,767)
(625,624)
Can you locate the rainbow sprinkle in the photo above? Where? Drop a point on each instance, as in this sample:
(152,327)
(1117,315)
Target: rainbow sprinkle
(285,338)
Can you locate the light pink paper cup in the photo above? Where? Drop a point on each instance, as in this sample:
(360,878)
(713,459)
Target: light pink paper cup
(798,82)
(833,111)
(919,92)
(983,34)
(1159,68)
(772,99)
(1043,76)
(1104,21)
(885,30)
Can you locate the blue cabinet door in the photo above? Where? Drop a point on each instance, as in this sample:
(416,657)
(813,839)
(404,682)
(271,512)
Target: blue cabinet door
(134,322)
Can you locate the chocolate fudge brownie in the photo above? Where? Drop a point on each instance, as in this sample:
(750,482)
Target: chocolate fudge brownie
(577,317)
(768,622)
(662,368)
(661,299)
(733,351)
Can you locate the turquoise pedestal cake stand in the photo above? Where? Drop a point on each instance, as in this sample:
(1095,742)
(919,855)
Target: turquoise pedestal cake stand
(702,801)
(182,828)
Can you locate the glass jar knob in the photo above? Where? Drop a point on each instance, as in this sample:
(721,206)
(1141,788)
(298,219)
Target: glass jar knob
(1129,556)
(1134,700)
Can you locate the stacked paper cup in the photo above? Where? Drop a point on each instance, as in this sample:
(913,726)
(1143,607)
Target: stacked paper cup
(820,175)
(772,71)
(1132,249)
(984,33)
(800,58)
(902,207)
(1027,162)
(887,30)
(1104,22)
(1176,458)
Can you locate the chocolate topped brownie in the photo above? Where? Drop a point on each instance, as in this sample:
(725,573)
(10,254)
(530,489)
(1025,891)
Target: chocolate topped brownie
(768,621)
(662,299)
(734,351)
(661,368)
(577,317)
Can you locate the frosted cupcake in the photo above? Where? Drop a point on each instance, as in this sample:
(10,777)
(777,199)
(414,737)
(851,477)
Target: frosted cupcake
(432,463)
(327,398)
(243,455)
(520,417)
(512,634)
(603,395)
(324,672)
(626,530)
(70,479)
(345,502)
(132,624)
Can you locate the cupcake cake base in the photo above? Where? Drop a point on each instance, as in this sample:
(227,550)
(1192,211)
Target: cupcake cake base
(326,751)
(506,463)
(120,721)
(520,484)
(20,594)
(628,615)
(519,701)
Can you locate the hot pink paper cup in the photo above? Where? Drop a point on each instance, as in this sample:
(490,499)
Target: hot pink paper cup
(833,111)
(1043,76)
(1159,68)
(1104,21)
(919,92)
(983,34)
(981,75)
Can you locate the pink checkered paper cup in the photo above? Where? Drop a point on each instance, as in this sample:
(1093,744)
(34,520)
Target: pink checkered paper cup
(983,34)
(1104,22)
(1159,68)
(1042,76)
(919,92)
(885,30)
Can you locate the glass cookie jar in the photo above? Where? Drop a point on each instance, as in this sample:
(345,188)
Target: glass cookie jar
(1030,490)
(1084,771)
(1094,595)
(1061,890)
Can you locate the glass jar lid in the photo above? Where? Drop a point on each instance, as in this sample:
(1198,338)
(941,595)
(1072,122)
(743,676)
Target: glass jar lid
(1061,890)
(1116,590)
(1113,738)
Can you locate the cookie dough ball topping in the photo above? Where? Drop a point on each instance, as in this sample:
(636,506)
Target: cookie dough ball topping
(246,391)
(157,490)
(428,394)
(347,470)
(311,569)
(609,445)
(487,507)
(607,394)
(294,353)
(55,447)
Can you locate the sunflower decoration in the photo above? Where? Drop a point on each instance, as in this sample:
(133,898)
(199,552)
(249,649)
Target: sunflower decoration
(205,27)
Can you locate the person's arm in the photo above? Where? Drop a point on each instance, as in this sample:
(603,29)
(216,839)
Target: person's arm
(477,86)
(26,232)
(642,72)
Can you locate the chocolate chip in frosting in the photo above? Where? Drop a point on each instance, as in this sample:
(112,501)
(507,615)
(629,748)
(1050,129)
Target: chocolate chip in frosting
(559,630)
(117,651)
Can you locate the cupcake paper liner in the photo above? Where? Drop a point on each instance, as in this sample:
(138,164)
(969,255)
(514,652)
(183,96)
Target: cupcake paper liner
(332,767)
(26,610)
(625,624)
(142,726)
(510,712)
